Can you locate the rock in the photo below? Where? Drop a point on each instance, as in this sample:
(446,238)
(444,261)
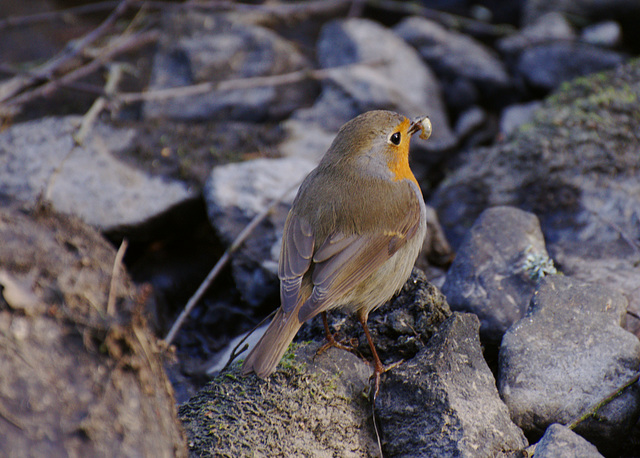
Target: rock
(495,271)
(39,159)
(375,70)
(400,328)
(561,167)
(550,27)
(515,116)
(234,194)
(607,34)
(470,121)
(544,67)
(79,377)
(311,406)
(629,10)
(473,127)
(206,48)
(560,442)
(568,353)
(453,56)
(443,402)
(612,268)
(305,139)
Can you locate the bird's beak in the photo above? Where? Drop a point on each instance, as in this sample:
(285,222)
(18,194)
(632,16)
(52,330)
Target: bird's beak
(421,124)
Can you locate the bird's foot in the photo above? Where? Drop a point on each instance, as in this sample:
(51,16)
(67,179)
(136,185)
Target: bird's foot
(332,342)
(378,370)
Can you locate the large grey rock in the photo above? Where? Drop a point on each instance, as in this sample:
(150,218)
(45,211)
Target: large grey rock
(234,194)
(608,34)
(568,353)
(576,167)
(547,28)
(203,48)
(546,66)
(628,10)
(39,159)
(444,402)
(495,270)
(454,56)
(394,78)
(560,442)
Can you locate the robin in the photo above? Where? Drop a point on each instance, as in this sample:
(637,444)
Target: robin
(352,235)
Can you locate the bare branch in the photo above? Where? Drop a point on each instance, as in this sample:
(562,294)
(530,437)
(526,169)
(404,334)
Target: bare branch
(115,74)
(21,21)
(117,266)
(18,83)
(468,25)
(121,45)
(235,84)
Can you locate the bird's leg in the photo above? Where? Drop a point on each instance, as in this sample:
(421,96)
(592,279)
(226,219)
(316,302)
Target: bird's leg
(331,340)
(378,367)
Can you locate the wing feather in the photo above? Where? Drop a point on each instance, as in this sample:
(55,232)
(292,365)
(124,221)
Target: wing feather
(342,262)
(295,259)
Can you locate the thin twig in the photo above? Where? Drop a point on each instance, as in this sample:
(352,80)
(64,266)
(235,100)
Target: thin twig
(30,19)
(600,404)
(236,351)
(114,77)
(115,272)
(632,243)
(15,85)
(121,45)
(633,314)
(237,243)
(235,84)
(375,426)
(468,25)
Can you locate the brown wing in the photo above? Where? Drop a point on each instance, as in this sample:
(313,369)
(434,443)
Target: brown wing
(342,262)
(295,259)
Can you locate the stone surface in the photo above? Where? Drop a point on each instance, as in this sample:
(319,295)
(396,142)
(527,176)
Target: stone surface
(234,194)
(470,121)
(400,328)
(568,353)
(80,377)
(549,27)
(495,271)
(453,56)
(443,402)
(560,442)
(607,34)
(39,160)
(545,67)
(575,166)
(391,76)
(315,405)
(629,10)
(199,47)
(311,406)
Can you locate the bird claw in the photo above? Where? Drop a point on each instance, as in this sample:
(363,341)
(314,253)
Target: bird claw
(378,370)
(332,342)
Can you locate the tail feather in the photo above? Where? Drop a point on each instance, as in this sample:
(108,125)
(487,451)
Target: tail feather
(268,352)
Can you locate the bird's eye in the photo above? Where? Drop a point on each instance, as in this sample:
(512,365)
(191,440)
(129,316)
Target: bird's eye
(395,138)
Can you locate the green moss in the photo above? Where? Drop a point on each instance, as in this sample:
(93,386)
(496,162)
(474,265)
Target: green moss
(241,416)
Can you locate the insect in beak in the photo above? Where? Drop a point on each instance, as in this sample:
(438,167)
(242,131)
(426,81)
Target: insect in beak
(421,124)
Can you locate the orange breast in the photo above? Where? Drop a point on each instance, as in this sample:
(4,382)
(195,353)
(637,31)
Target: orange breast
(399,164)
